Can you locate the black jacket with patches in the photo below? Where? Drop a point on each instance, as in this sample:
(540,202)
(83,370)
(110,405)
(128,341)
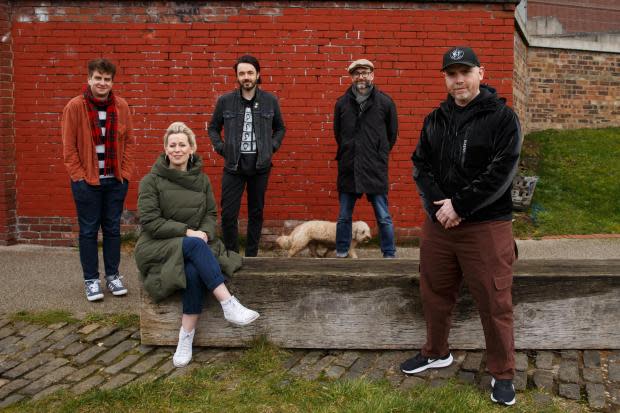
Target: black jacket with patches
(469,155)
(365,139)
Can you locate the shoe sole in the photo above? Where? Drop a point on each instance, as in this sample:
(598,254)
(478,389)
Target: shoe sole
(437,364)
(244,324)
(95,297)
(179,365)
(509,403)
(117,293)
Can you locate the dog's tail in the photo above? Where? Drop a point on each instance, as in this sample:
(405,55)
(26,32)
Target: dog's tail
(284,242)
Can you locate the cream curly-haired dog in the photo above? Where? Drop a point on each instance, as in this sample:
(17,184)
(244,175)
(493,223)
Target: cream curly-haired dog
(321,234)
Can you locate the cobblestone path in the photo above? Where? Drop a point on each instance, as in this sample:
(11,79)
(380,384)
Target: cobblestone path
(36,361)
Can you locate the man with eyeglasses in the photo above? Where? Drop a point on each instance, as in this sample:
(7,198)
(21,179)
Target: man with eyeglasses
(365,127)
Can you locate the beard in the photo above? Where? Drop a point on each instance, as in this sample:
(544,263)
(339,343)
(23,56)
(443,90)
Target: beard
(247,85)
(363,86)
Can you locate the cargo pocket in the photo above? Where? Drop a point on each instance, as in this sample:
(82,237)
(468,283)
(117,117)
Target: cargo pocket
(502,282)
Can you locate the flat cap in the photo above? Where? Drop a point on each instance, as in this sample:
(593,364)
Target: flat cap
(361,63)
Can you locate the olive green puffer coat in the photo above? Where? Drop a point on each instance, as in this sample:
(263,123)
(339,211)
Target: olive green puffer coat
(169,203)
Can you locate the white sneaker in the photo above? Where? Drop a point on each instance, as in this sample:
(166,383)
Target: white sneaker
(183,355)
(236,313)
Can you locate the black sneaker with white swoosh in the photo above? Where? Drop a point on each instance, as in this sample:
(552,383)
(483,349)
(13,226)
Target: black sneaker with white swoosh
(419,363)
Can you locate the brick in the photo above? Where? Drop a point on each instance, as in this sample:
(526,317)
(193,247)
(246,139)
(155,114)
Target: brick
(28,366)
(569,371)
(82,373)
(14,385)
(544,360)
(596,395)
(115,352)
(74,348)
(12,399)
(34,350)
(117,337)
(543,379)
(100,333)
(147,363)
(88,384)
(88,354)
(34,337)
(49,379)
(88,328)
(117,381)
(46,368)
(65,342)
(122,364)
(569,391)
(50,390)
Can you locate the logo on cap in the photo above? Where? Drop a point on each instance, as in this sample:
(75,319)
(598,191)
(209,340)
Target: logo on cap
(457,54)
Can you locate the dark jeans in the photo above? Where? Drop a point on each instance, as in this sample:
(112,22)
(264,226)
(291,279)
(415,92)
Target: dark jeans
(99,206)
(202,271)
(233,186)
(481,254)
(379,204)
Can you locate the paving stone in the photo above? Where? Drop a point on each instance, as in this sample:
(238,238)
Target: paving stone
(147,363)
(124,363)
(485,382)
(334,372)
(613,372)
(307,360)
(58,325)
(314,371)
(12,386)
(165,368)
(384,366)
(145,349)
(593,375)
(150,376)
(472,361)
(136,335)
(88,354)
(4,381)
(591,358)
(35,337)
(543,379)
(347,358)
(205,356)
(88,328)
(467,377)
(569,391)
(25,329)
(596,395)
(395,379)
(410,382)
(521,362)
(614,396)
(7,344)
(74,348)
(100,333)
(544,360)
(569,371)
(542,400)
(614,356)
(358,368)
(117,381)
(46,368)
(88,384)
(50,390)
(7,365)
(187,370)
(29,365)
(6,331)
(82,373)
(4,321)
(293,359)
(12,399)
(117,337)
(437,383)
(66,341)
(520,380)
(49,379)
(570,354)
(119,349)
(63,332)
(38,348)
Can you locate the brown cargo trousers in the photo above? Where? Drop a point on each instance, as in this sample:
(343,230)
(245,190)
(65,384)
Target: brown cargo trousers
(481,254)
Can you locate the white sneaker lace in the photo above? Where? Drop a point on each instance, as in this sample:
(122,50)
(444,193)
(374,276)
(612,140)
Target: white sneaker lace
(116,282)
(93,287)
(185,345)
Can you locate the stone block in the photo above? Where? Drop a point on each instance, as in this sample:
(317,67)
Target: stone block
(592,358)
(543,379)
(117,381)
(82,373)
(521,362)
(49,379)
(569,391)
(88,384)
(596,395)
(472,362)
(569,371)
(544,360)
(46,368)
(100,333)
(50,390)
(122,364)
(117,351)
(594,375)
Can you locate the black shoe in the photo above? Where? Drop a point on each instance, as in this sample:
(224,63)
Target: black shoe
(503,392)
(419,363)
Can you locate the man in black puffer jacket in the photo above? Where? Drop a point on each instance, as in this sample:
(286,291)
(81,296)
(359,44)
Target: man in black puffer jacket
(365,127)
(464,165)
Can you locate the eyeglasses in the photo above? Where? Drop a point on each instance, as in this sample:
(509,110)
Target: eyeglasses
(363,75)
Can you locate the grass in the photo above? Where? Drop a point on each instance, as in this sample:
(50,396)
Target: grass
(579,184)
(44,318)
(123,320)
(257,383)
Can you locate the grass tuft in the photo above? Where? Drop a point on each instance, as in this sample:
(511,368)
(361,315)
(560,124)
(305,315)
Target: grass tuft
(45,318)
(123,320)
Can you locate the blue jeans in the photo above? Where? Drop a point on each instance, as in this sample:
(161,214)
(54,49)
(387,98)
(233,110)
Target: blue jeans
(202,271)
(99,206)
(379,204)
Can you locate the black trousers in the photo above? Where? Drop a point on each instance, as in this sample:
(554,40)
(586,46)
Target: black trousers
(233,186)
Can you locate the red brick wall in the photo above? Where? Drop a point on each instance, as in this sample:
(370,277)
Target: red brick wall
(572,89)
(520,80)
(175,60)
(7,135)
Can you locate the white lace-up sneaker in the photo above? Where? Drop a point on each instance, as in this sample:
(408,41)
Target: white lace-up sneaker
(236,313)
(115,285)
(93,290)
(183,355)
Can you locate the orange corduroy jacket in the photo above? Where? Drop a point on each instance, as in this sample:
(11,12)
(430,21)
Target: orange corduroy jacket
(79,153)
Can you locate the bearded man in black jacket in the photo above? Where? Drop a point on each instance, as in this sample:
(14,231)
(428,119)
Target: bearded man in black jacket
(365,128)
(464,164)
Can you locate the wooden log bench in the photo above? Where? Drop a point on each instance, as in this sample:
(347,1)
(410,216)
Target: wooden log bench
(375,304)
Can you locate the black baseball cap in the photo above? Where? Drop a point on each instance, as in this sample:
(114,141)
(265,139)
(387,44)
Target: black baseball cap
(460,55)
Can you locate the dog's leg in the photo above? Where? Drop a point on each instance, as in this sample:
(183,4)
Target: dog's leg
(352,252)
(312,247)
